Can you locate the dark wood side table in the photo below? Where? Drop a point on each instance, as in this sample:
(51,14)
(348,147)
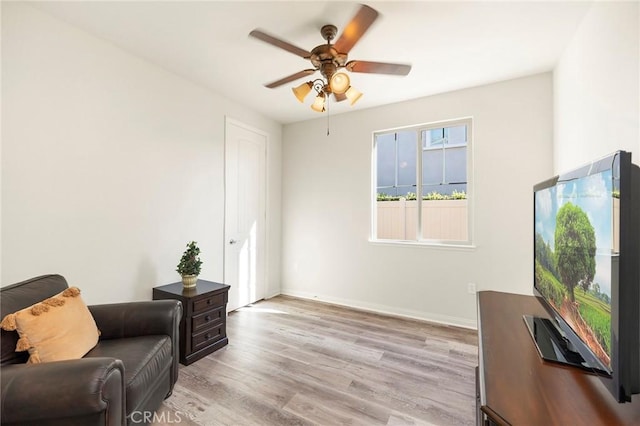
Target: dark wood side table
(204,317)
(516,387)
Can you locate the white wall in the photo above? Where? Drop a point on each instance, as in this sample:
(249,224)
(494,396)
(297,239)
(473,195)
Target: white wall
(0,152)
(326,205)
(597,87)
(110,164)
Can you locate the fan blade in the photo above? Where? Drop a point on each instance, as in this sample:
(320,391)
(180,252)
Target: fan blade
(356,28)
(260,35)
(378,67)
(340,97)
(290,78)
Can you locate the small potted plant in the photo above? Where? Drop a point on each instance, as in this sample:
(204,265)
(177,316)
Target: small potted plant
(189,266)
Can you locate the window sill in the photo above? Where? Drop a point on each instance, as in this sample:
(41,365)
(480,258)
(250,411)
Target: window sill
(425,244)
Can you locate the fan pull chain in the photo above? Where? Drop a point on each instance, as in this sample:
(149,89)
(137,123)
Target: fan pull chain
(327,103)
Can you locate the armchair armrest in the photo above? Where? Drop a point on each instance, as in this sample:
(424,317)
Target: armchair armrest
(118,320)
(64,392)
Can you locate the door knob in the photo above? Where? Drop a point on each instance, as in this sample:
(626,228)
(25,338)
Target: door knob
(232,241)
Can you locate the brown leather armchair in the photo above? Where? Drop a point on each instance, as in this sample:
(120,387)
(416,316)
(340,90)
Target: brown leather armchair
(129,372)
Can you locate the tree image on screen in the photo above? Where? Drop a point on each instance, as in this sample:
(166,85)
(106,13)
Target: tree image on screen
(573,255)
(575,242)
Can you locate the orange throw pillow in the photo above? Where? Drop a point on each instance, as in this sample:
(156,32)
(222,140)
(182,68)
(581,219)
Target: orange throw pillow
(55,329)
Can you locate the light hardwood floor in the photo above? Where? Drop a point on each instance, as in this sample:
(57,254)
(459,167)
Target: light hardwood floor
(297,362)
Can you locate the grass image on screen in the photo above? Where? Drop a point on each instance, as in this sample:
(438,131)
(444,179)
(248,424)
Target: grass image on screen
(574,245)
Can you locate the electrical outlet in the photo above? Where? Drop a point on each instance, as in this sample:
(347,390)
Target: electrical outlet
(471,288)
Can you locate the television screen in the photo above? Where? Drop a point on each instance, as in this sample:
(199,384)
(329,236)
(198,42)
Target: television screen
(587,271)
(576,242)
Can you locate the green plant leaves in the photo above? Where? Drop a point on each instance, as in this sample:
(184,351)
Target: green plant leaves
(190,262)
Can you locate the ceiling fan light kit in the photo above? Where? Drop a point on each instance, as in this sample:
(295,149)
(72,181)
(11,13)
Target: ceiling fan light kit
(340,82)
(330,58)
(318,103)
(302,91)
(353,95)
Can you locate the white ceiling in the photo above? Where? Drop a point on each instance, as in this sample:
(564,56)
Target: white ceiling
(451,45)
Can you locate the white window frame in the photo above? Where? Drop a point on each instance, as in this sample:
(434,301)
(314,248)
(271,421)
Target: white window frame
(420,146)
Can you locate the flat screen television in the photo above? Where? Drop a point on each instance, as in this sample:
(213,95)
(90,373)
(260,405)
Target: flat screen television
(587,271)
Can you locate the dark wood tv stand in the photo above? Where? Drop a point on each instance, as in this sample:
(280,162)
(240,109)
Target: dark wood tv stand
(516,387)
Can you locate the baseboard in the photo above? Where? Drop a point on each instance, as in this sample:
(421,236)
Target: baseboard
(383,309)
(277,293)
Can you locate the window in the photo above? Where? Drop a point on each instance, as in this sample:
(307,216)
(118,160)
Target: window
(430,163)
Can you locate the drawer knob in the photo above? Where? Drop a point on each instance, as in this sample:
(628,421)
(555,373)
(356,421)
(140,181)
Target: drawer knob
(207,318)
(207,336)
(208,301)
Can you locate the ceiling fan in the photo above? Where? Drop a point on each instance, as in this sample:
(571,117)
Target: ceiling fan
(329,58)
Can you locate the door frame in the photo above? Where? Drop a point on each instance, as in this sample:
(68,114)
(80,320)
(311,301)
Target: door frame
(227,121)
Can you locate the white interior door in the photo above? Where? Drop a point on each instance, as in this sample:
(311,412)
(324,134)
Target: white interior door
(245,213)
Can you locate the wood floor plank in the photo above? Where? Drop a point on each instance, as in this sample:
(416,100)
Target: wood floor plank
(292,361)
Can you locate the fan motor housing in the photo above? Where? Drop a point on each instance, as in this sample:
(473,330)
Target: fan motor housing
(327,53)
(325,57)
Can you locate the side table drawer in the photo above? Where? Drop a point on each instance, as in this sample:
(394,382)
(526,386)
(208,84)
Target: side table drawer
(207,337)
(205,303)
(207,318)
